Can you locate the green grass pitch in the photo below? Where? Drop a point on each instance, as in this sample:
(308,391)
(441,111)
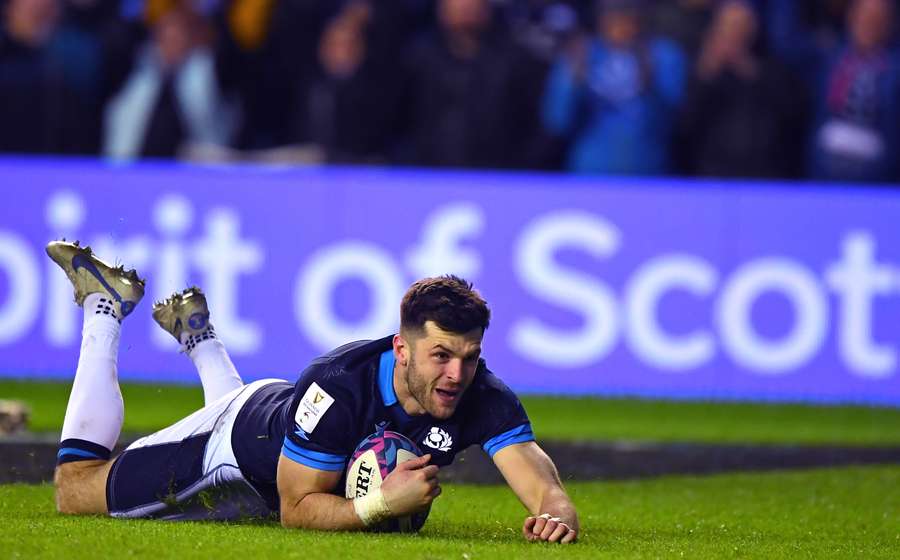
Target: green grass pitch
(826,513)
(831,513)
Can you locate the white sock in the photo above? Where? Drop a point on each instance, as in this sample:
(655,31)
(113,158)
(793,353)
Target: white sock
(217,374)
(95,410)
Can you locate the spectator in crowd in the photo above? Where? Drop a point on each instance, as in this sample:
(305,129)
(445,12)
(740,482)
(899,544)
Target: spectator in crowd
(857,90)
(614,96)
(51,78)
(268,56)
(543,27)
(539,30)
(683,21)
(113,43)
(172,96)
(471,83)
(824,20)
(352,103)
(393,25)
(467,95)
(743,116)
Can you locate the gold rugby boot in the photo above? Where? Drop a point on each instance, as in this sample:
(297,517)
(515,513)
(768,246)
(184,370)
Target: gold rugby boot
(88,275)
(183,312)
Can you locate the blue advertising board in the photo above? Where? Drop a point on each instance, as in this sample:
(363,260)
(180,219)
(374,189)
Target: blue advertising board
(662,288)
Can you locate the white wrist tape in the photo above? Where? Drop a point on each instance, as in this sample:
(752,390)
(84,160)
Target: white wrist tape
(372,508)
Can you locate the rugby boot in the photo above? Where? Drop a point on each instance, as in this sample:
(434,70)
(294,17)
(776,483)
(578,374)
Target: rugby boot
(89,275)
(184,312)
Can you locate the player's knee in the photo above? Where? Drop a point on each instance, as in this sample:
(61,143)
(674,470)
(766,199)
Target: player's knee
(77,488)
(65,479)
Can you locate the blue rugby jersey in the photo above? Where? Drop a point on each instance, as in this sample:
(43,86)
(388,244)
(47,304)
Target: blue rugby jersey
(347,395)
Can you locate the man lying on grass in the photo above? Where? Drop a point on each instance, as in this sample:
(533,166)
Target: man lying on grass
(275,448)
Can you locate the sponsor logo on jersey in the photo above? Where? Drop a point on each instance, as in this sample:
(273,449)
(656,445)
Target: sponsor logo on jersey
(311,408)
(438,439)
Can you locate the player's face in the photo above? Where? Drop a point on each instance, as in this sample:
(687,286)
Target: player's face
(441,367)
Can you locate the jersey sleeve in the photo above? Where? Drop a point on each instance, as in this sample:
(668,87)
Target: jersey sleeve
(318,422)
(503,416)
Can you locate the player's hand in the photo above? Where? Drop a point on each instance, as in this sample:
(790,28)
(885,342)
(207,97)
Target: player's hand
(547,528)
(411,486)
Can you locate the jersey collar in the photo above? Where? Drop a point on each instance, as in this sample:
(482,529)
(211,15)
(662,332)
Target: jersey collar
(388,396)
(386,378)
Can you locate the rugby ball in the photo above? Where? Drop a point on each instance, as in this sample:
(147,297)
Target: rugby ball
(374,458)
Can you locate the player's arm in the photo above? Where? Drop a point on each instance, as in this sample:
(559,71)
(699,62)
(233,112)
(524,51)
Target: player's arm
(533,477)
(307,501)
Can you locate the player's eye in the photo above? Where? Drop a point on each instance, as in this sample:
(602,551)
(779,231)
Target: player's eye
(442,356)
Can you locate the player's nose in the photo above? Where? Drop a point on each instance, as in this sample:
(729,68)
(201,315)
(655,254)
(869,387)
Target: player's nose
(454,370)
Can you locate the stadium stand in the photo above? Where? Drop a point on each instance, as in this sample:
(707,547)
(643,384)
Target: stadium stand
(649,87)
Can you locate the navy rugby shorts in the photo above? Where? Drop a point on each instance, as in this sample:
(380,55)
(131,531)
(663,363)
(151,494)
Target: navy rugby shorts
(187,471)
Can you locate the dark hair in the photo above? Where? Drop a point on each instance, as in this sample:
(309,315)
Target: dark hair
(447,300)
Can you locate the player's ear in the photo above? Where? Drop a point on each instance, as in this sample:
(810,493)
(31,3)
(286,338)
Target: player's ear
(401,349)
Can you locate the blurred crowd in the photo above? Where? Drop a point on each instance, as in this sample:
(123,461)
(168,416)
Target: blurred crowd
(717,88)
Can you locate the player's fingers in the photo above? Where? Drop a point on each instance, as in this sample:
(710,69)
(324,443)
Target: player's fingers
(415,463)
(435,492)
(549,527)
(430,485)
(570,537)
(528,526)
(559,532)
(430,471)
(539,526)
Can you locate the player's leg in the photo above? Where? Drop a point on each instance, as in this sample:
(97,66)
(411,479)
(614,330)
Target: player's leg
(185,316)
(95,410)
(187,470)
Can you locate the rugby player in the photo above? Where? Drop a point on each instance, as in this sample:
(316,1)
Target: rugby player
(272,448)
